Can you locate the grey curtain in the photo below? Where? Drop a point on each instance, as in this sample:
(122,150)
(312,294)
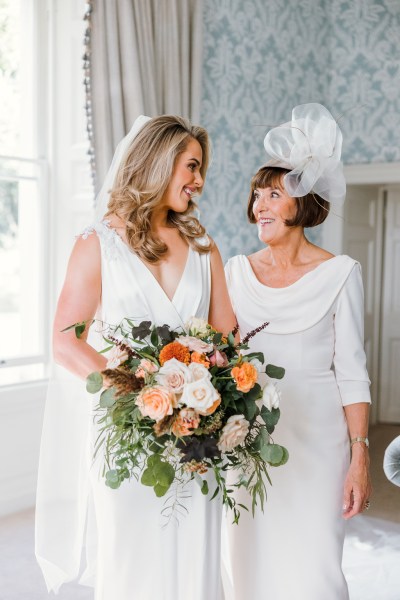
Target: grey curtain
(146,58)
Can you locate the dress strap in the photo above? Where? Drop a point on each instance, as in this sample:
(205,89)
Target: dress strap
(108,237)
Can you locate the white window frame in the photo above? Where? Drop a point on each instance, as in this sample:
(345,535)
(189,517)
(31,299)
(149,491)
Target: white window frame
(41,46)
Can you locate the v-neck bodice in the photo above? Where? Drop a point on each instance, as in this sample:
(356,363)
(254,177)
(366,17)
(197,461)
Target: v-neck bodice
(129,288)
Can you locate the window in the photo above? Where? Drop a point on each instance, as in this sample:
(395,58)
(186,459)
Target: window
(23,194)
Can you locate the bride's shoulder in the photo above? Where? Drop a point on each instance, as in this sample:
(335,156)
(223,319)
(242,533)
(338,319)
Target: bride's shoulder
(101,235)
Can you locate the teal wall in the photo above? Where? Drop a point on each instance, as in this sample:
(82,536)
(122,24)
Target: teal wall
(261,58)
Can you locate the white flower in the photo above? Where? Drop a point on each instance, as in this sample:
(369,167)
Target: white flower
(174,374)
(202,396)
(197,326)
(194,344)
(257,364)
(199,371)
(233,433)
(271,396)
(116,357)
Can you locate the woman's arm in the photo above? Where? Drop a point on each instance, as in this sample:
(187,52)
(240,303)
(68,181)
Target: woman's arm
(221,315)
(352,379)
(79,300)
(357,487)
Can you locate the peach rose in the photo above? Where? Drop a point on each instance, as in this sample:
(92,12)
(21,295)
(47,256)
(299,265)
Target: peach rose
(195,344)
(174,375)
(156,402)
(196,357)
(187,420)
(201,395)
(233,433)
(146,366)
(116,357)
(245,376)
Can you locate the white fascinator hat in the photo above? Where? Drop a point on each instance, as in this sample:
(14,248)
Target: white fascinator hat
(309,146)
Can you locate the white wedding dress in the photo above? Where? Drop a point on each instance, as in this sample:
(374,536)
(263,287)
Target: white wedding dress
(293,551)
(130,555)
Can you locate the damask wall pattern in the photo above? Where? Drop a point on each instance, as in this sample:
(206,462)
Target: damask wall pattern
(364,83)
(261,58)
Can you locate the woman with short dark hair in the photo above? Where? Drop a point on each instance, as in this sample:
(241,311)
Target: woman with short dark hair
(313,302)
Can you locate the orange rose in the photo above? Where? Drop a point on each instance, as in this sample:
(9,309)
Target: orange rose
(200,358)
(175,350)
(156,402)
(187,420)
(245,376)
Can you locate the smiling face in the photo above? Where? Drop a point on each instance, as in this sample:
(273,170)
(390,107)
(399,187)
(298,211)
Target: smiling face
(186,180)
(272,208)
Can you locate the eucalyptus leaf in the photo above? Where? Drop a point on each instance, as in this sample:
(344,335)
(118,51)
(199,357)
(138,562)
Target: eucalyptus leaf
(272,453)
(231,339)
(107,398)
(160,490)
(251,409)
(274,371)
(270,417)
(204,488)
(94,382)
(217,338)
(148,478)
(164,473)
(285,458)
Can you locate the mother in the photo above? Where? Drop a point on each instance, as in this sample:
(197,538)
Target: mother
(314,303)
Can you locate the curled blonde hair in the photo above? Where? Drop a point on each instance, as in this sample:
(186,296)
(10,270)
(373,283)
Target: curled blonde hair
(142,179)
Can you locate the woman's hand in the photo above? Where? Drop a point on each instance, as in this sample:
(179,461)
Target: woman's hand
(357,486)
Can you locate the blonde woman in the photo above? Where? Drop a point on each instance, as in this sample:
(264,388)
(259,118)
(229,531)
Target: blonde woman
(148,258)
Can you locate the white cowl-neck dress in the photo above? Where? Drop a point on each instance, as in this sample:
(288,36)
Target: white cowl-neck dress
(293,551)
(130,554)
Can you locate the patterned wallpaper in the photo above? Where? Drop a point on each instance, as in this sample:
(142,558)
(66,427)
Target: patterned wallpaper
(261,58)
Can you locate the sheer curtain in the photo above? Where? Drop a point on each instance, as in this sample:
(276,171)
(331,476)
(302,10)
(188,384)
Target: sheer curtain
(146,58)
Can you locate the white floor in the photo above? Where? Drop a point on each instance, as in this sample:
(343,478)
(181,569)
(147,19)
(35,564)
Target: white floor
(372,559)
(371,562)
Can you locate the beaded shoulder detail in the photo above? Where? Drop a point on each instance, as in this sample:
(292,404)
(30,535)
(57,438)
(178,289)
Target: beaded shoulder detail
(107,235)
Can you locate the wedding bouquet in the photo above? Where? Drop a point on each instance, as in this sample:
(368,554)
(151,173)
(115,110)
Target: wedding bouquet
(178,403)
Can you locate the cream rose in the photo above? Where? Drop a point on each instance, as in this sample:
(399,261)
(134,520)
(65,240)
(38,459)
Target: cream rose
(156,402)
(116,357)
(197,326)
(201,395)
(271,396)
(199,371)
(194,344)
(174,374)
(233,433)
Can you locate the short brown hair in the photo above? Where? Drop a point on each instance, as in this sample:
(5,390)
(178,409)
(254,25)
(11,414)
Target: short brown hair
(312,210)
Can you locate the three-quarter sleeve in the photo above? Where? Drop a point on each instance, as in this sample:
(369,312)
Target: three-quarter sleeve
(349,356)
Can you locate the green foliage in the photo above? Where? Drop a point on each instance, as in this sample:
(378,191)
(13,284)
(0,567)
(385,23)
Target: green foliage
(107,398)
(134,445)
(142,330)
(270,417)
(274,372)
(94,383)
(159,474)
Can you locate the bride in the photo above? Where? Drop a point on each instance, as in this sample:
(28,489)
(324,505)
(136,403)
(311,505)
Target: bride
(146,257)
